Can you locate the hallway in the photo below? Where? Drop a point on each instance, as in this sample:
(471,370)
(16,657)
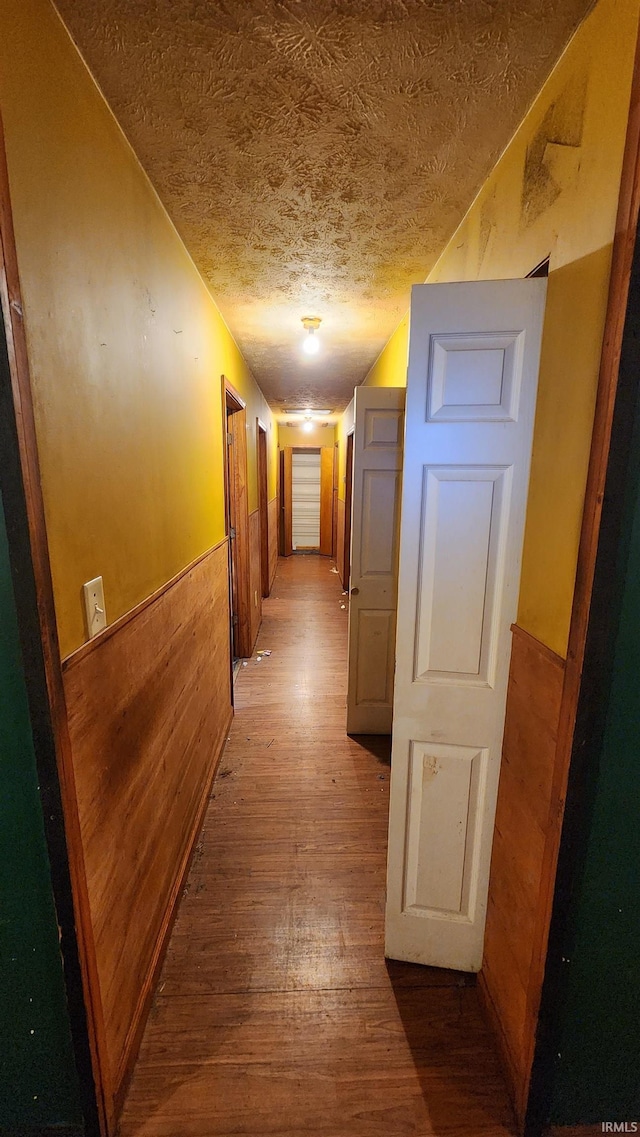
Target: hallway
(275,1012)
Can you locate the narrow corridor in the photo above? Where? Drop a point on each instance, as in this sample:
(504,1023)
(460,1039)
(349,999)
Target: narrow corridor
(276,1013)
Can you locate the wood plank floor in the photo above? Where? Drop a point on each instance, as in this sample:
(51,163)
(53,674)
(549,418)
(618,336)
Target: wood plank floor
(276,1012)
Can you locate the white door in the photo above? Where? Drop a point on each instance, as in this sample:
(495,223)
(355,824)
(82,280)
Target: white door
(375,528)
(305,499)
(471,393)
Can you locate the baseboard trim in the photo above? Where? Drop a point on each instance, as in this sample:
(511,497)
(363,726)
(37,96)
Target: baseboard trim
(511,1075)
(136,1031)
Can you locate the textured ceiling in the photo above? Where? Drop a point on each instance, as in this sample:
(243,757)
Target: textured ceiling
(315,155)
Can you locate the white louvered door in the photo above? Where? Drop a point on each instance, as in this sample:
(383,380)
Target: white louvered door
(305,499)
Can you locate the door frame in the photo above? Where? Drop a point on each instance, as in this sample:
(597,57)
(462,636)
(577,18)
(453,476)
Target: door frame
(327,464)
(286,519)
(263,504)
(334,527)
(33,589)
(345,567)
(591,615)
(234,425)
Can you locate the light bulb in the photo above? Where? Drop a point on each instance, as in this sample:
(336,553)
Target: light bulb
(310,344)
(307,426)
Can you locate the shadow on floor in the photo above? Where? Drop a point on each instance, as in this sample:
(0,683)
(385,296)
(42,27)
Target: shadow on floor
(378,745)
(462,1086)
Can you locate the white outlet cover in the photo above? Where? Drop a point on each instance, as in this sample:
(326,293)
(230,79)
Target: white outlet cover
(94,608)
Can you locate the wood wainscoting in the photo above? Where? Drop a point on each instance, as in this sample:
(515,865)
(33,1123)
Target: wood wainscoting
(273,540)
(149,706)
(340,541)
(527,817)
(255,578)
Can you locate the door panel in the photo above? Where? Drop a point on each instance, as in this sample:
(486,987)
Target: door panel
(377,465)
(379,528)
(473,368)
(441,859)
(461,571)
(375,634)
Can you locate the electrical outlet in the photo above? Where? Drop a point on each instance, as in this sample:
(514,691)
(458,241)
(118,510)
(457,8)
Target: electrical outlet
(94,606)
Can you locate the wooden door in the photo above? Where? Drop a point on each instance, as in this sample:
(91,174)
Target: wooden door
(263,506)
(326,500)
(473,371)
(377,469)
(230,529)
(237,520)
(286,478)
(334,522)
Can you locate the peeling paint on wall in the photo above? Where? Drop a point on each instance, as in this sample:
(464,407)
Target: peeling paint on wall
(572,140)
(553,156)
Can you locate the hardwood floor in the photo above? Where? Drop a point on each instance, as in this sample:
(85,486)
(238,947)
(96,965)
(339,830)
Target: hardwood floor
(276,1012)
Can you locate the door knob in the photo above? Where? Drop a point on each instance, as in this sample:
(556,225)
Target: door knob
(354,591)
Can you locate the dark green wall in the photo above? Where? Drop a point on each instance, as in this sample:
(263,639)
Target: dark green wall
(597,1059)
(38,1081)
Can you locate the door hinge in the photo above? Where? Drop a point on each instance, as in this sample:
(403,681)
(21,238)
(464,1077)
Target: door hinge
(232,533)
(229,438)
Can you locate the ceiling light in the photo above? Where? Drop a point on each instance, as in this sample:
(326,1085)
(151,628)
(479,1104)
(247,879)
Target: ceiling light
(307,411)
(310,344)
(307,426)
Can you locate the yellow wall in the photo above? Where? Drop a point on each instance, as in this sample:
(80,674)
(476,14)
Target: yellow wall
(126,345)
(390,368)
(566,210)
(345,424)
(295,436)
